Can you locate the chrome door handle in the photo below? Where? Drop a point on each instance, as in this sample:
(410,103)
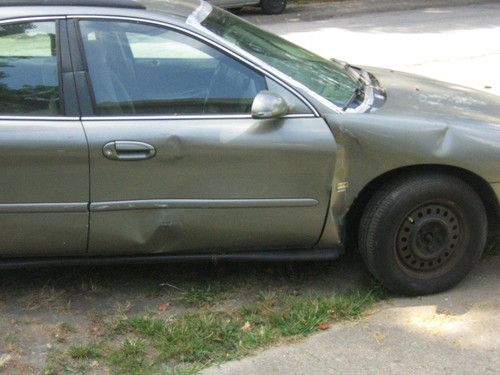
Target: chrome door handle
(128,150)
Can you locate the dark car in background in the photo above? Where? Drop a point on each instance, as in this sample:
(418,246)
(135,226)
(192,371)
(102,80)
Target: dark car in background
(267,6)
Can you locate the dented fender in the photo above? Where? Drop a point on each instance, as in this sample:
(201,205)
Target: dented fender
(429,132)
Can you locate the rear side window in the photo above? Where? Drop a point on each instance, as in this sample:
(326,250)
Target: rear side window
(148,70)
(29,78)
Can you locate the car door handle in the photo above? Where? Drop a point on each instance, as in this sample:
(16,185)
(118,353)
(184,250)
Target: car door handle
(128,150)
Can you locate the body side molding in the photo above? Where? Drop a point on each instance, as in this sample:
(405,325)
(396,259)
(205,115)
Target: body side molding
(201,203)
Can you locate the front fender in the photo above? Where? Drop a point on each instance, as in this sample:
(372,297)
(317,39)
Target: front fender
(370,145)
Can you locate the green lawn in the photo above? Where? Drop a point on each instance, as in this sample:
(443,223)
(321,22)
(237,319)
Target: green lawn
(190,342)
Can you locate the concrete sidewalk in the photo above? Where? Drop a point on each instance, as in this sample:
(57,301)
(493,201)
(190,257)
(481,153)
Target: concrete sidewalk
(451,333)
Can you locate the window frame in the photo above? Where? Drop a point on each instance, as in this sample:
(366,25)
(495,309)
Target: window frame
(92,89)
(88,106)
(62,61)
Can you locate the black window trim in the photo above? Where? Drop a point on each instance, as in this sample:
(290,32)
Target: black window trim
(64,80)
(84,85)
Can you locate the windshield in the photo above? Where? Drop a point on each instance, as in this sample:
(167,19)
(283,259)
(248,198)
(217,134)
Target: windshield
(327,78)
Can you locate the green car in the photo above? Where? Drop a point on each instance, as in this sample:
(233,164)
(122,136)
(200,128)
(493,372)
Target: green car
(128,135)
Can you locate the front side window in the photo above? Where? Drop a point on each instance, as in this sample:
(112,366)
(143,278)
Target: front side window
(29,78)
(138,69)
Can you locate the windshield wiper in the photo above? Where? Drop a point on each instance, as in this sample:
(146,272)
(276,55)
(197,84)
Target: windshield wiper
(354,71)
(359,92)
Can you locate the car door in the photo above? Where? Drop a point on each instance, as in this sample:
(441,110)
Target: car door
(177,162)
(43,150)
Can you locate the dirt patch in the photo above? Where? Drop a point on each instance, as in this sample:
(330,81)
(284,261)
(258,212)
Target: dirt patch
(46,311)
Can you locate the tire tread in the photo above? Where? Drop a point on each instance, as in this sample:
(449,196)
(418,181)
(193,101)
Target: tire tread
(378,206)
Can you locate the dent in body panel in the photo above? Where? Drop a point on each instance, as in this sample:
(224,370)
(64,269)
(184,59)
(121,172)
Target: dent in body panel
(266,184)
(370,145)
(186,230)
(215,159)
(174,149)
(421,122)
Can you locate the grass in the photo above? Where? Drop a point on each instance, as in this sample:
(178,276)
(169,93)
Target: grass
(67,327)
(130,358)
(89,351)
(493,251)
(493,247)
(204,295)
(187,343)
(4,360)
(44,298)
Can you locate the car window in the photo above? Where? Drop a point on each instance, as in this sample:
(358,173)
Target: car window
(29,78)
(138,69)
(327,78)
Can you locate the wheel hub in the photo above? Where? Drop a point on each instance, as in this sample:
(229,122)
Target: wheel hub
(428,237)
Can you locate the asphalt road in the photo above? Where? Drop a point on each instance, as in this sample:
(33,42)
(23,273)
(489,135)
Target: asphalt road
(456,332)
(455,44)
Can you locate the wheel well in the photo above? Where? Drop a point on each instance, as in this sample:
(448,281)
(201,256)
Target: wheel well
(482,188)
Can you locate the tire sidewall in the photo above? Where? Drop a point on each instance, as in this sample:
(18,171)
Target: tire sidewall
(273,6)
(385,262)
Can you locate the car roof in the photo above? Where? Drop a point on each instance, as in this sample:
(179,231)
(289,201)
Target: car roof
(160,10)
(131,4)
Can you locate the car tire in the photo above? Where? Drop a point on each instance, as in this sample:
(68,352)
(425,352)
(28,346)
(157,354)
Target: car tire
(422,233)
(273,6)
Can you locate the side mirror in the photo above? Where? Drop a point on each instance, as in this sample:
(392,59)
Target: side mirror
(267,105)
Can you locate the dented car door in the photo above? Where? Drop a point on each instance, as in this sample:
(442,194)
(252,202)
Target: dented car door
(178,164)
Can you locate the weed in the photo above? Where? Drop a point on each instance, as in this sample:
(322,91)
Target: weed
(205,294)
(67,328)
(44,298)
(209,337)
(130,358)
(493,246)
(89,351)
(184,344)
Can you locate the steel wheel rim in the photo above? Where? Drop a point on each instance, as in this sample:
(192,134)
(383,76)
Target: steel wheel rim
(429,238)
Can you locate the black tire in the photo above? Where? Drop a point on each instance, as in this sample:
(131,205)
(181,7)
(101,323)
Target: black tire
(273,6)
(422,233)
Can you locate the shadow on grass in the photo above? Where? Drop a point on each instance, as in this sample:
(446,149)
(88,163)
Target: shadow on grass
(98,287)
